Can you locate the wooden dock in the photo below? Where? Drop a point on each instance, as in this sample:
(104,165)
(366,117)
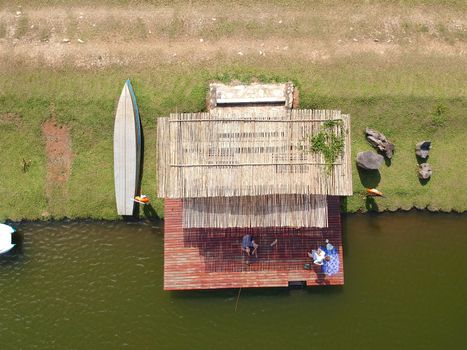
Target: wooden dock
(212,258)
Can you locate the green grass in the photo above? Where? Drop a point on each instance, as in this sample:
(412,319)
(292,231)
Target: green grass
(420,99)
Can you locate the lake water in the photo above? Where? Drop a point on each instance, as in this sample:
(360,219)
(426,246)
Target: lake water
(98,285)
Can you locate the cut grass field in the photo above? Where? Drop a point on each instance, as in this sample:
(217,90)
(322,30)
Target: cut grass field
(409,93)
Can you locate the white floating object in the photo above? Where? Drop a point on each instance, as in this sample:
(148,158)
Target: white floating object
(6,232)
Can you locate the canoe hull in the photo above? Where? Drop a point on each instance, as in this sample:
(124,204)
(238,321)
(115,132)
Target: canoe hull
(127,151)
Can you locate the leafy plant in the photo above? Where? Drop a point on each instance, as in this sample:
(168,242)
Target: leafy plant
(327,142)
(438,118)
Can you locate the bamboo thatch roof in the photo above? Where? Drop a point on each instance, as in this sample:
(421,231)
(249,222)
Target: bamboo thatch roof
(256,211)
(252,152)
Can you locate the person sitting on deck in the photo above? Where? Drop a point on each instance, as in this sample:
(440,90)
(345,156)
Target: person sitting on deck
(327,257)
(318,256)
(249,245)
(331,264)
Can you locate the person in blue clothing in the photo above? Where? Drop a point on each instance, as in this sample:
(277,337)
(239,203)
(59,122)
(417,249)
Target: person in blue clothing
(249,246)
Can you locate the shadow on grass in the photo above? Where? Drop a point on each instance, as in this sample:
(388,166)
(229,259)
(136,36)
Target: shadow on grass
(370,204)
(369,178)
(149,212)
(423,182)
(421,160)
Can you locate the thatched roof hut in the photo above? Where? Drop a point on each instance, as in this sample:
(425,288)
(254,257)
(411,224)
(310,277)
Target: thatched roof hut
(251,158)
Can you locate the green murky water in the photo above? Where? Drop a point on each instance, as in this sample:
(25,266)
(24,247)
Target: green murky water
(98,285)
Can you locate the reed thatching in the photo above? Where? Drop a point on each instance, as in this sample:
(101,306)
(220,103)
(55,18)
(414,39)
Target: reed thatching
(258,211)
(249,153)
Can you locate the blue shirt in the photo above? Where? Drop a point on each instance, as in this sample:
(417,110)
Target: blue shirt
(247,241)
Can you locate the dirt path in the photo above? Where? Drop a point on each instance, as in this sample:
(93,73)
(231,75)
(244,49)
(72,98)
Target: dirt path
(59,161)
(92,38)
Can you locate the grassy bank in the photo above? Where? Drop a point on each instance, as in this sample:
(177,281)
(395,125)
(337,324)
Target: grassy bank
(398,67)
(393,99)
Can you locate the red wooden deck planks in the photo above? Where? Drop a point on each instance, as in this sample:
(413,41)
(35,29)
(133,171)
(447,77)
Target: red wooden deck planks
(212,258)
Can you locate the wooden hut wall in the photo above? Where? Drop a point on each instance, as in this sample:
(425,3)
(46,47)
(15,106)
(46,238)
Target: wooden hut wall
(218,155)
(258,211)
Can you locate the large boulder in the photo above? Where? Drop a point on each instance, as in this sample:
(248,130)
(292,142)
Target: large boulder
(422,149)
(369,160)
(424,171)
(378,140)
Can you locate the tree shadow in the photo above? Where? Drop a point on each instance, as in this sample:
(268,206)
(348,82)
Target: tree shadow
(369,178)
(370,204)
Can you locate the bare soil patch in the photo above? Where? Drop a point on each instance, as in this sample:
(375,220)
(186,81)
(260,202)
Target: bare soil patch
(59,160)
(10,119)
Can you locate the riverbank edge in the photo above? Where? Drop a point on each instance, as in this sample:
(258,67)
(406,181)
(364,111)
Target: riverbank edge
(161,220)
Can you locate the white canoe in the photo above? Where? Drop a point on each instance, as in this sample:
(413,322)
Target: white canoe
(127,151)
(6,238)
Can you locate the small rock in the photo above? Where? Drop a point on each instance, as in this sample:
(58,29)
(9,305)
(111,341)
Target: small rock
(376,40)
(32,27)
(355,39)
(285,48)
(240,53)
(280,22)
(422,149)
(424,171)
(80,17)
(201,40)
(214,19)
(18,13)
(174,55)
(66,40)
(369,160)
(80,41)
(378,140)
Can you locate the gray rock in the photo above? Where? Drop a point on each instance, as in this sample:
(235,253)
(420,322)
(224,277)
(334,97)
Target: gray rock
(378,140)
(422,149)
(369,160)
(424,171)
